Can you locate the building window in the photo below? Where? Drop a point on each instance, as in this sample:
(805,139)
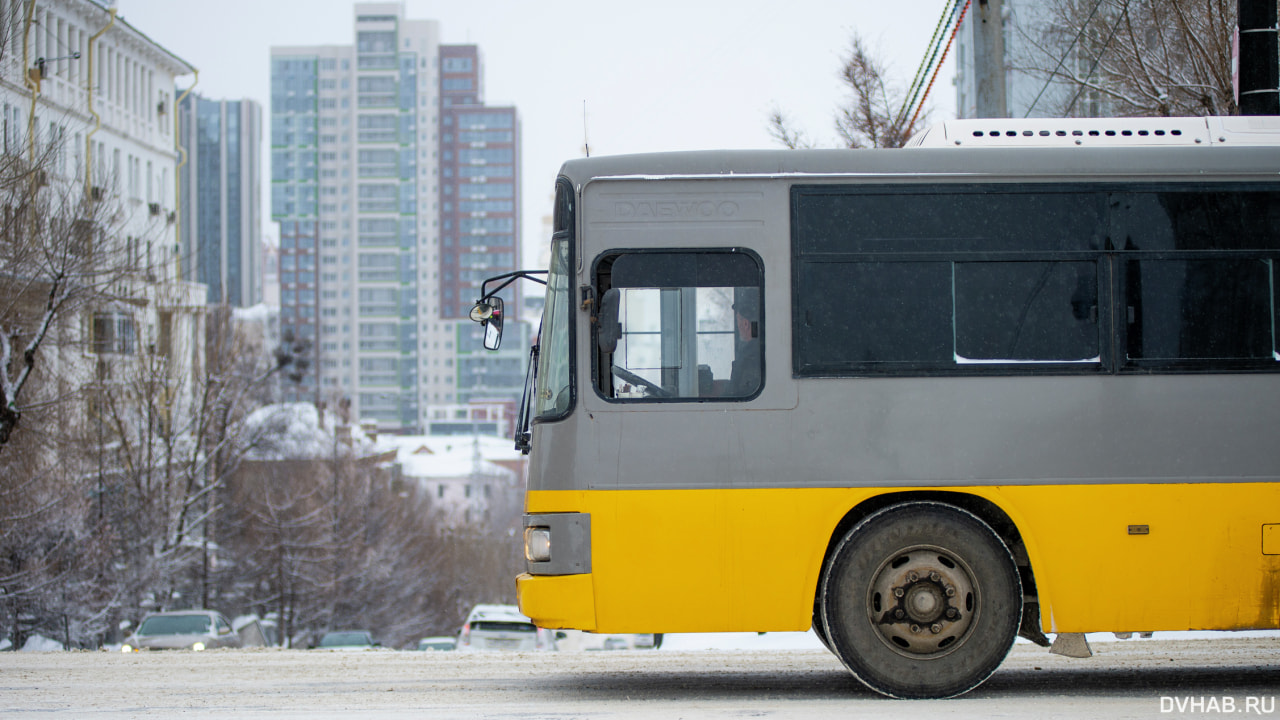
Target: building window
(113,333)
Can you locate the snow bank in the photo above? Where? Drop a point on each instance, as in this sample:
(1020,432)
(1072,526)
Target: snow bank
(38,643)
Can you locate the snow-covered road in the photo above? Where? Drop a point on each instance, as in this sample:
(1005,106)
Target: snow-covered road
(1129,679)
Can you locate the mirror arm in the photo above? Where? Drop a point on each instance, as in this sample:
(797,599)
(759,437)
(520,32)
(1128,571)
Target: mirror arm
(509,278)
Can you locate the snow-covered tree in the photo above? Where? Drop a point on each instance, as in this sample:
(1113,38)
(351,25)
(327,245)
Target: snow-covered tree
(1134,57)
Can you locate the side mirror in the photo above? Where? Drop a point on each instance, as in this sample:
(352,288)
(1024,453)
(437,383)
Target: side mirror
(609,330)
(489,314)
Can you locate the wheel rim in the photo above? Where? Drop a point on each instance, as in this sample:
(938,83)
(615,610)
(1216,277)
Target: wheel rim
(923,602)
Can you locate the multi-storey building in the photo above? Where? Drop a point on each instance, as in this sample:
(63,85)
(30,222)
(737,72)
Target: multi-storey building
(371,264)
(221,198)
(479,193)
(91,99)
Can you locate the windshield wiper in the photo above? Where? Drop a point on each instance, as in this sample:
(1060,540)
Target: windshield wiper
(524,418)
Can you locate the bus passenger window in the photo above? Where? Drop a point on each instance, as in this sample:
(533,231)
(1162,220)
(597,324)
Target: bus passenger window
(689,326)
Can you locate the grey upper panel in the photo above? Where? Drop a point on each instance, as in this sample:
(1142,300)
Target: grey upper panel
(992,164)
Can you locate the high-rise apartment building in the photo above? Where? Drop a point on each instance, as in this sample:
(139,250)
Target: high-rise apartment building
(221,191)
(368,185)
(479,194)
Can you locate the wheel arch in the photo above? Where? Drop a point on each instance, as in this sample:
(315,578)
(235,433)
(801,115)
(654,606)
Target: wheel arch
(986,510)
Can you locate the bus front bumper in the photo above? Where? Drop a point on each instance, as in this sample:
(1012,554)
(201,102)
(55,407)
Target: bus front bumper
(557,601)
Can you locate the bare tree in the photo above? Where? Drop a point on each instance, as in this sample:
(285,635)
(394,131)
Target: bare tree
(276,543)
(165,443)
(782,130)
(1132,57)
(874,114)
(59,260)
(338,539)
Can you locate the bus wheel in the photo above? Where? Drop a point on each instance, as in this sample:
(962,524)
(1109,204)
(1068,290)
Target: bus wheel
(921,600)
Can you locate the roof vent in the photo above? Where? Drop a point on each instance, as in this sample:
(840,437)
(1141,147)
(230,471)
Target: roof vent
(1101,132)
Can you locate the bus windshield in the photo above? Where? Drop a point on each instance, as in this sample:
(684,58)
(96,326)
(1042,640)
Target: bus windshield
(553,396)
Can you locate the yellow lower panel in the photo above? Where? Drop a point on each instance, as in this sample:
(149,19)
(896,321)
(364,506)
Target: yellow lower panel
(700,560)
(734,560)
(1199,565)
(557,601)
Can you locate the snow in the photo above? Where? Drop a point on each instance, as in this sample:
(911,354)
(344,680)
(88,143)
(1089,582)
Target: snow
(808,641)
(296,431)
(961,360)
(37,643)
(741,641)
(450,456)
(491,447)
(1123,680)
(259,313)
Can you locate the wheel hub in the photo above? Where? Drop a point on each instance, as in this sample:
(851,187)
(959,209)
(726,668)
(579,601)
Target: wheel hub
(922,602)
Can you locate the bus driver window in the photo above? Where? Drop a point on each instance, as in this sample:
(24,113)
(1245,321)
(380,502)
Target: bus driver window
(680,326)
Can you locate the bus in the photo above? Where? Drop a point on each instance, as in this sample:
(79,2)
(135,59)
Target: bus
(1019,379)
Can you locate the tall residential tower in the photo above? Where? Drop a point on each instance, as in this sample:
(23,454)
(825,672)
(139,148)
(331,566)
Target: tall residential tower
(370,170)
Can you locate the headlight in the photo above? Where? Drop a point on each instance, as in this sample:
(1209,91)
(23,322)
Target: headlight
(537,544)
(127,648)
(198,646)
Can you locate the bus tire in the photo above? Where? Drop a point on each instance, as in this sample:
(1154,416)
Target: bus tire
(921,600)
(819,629)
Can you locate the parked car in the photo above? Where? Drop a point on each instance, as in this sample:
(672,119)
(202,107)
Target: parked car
(347,640)
(181,630)
(441,642)
(501,627)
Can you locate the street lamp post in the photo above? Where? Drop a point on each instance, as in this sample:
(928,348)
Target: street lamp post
(1259,49)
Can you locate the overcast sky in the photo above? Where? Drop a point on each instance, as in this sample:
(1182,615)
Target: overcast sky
(655,75)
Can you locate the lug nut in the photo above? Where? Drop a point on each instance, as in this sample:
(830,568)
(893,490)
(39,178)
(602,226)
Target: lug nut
(951,591)
(952,613)
(898,592)
(899,613)
(935,628)
(934,576)
(915,628)
(912,576)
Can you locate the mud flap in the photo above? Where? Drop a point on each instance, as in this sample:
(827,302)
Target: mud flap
(1030,627)
(1071,645)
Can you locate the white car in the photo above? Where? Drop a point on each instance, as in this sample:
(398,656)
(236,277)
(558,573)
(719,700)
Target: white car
(437,643)
(183,629)
(501,627)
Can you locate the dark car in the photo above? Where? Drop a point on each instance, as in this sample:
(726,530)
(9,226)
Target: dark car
(347,640)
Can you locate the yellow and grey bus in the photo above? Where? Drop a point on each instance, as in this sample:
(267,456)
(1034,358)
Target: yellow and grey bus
(1020,379)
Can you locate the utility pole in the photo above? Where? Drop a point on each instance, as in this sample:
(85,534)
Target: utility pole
(988,59)
(1259,50)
